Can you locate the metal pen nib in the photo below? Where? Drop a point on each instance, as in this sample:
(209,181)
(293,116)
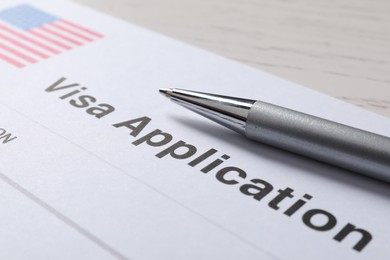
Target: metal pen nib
(227,111)
(165,91)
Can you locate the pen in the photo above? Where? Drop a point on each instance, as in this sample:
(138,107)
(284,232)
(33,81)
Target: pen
(317,138)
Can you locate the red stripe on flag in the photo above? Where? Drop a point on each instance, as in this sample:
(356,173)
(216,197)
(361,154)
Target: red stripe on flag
(11,61)
(81,28)
(17,53)
(30,40)
(64,46)
(59,35)
(25,47)
(71,32)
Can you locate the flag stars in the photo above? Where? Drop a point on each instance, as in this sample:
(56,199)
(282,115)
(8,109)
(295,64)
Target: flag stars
(26,17)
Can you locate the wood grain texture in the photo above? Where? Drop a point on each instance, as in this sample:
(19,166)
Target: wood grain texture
(338,47)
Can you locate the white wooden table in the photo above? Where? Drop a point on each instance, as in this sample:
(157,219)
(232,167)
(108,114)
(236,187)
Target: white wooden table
(341,48)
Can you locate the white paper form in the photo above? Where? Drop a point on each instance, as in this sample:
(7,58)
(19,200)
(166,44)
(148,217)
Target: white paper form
(94,163)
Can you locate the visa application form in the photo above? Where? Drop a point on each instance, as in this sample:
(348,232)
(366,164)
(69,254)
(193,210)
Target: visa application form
(95,164)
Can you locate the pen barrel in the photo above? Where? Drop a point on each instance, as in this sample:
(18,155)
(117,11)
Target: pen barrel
(337,144)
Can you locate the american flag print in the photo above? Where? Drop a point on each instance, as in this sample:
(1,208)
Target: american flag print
(29,35)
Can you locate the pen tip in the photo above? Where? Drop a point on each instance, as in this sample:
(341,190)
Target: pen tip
(166,91)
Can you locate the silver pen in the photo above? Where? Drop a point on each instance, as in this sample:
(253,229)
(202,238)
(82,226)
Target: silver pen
(317,138)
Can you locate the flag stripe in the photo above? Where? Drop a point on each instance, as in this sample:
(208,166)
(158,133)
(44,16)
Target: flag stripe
(48,39)
(59,35)
(30,40)
(11,61)
(81,28)
(17,53)
(71,32)
(23,46)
